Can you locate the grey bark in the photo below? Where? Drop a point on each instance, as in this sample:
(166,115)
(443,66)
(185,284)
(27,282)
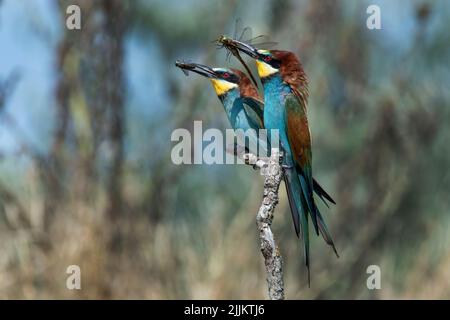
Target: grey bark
(271,169)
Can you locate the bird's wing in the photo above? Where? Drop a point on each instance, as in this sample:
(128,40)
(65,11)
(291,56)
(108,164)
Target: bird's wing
(254,109)
(300,142)
(298,131)
(234,111)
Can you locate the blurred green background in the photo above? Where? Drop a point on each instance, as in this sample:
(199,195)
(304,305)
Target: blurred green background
(85,170)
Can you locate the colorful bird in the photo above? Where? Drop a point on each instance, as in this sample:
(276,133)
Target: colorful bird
(286,96)
(239,97)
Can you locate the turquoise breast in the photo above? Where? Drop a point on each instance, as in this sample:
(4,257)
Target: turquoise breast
(275,91)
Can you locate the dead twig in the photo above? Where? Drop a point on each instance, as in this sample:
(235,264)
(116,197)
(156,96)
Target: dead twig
(271,169)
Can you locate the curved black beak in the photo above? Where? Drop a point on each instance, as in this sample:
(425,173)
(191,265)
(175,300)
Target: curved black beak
(244,47)
(197,68)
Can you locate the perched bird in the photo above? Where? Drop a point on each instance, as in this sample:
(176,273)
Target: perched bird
(239,98)
(245,110)
(286,96)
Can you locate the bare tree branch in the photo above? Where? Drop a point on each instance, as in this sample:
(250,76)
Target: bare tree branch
(273,261)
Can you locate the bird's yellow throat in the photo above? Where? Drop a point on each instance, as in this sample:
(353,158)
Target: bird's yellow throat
(222,86)
(264,69)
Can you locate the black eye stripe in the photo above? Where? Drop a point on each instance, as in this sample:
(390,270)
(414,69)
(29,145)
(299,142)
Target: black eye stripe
(230,77)
(271,61)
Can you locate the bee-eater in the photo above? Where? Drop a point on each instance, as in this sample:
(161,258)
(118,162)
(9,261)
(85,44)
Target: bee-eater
(239,98)
(286,96)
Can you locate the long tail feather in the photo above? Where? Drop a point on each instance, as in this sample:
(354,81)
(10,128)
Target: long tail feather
(299,210)
(309,200)
(294,212)
(322,193)
(325,233)
(305,233)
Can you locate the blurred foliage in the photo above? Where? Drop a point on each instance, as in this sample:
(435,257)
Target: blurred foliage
(107,197)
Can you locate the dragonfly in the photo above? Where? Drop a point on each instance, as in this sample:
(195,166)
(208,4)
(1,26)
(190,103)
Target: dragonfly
(244,36)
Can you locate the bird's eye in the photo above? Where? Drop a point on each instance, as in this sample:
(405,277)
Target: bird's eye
(226,75)
(267,59)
